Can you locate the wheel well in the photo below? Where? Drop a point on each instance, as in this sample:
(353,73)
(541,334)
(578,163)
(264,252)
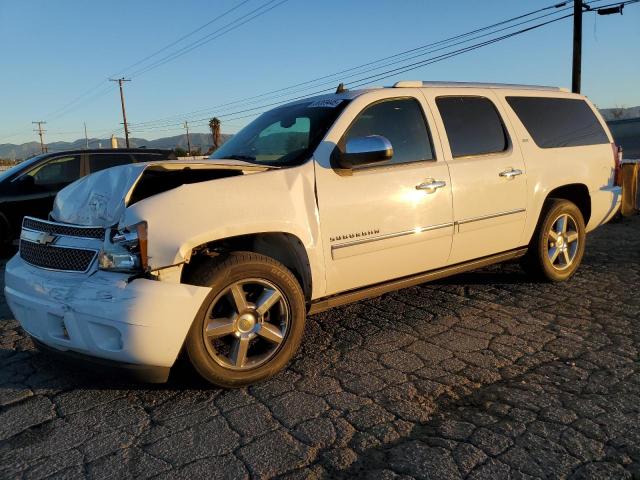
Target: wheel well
(577,193)
(283,247)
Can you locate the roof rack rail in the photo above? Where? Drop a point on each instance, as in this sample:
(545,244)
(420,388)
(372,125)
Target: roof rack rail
(418,83)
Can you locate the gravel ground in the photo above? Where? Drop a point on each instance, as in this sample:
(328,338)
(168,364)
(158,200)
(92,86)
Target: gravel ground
(484,375)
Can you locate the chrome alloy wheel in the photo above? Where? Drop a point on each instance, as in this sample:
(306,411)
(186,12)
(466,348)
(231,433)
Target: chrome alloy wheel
(246,324)
(562,245)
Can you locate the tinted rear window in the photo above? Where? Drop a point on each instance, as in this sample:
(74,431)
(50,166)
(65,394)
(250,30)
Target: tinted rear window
(100,161)
(558,122)
(473,125)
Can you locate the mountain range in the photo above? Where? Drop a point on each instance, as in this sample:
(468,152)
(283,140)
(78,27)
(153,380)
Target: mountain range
(203,141)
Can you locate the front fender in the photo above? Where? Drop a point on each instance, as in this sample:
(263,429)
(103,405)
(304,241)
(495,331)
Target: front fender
(273,201)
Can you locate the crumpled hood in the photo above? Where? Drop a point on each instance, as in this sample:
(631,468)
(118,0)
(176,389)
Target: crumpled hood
(100,199)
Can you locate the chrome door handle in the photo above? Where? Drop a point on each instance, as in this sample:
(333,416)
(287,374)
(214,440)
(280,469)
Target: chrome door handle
(431,185)
(510,173)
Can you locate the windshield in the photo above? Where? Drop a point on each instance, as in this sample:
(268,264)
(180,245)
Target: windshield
(20,167)
(283,136)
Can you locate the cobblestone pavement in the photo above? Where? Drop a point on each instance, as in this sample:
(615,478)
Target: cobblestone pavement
(484,375)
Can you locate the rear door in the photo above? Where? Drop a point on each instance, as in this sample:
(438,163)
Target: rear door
(488,174)
(377,223)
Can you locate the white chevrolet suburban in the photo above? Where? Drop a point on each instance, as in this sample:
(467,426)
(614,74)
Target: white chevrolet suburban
(315,204)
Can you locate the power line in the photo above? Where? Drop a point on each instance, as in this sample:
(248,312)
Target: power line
(210,37)
(81,100)
(167,121)
(383,75)
(413,66)
(405,68)
(370,63)
(175,42)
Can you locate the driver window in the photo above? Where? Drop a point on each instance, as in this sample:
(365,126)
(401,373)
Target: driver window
(400,121)
(59,171)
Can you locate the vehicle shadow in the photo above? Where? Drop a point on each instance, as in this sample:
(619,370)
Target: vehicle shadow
(46,371)
(509,273)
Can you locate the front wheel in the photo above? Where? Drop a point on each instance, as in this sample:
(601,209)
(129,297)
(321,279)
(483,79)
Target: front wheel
(252,322)
(559,242)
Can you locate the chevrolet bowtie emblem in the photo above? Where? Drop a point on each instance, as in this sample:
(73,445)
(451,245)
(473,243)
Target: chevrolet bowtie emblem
(41,238)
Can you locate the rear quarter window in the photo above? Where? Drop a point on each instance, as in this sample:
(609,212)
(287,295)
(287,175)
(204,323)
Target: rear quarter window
(101,161)
(558,122)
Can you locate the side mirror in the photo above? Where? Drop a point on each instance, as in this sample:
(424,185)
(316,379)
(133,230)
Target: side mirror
(365,150)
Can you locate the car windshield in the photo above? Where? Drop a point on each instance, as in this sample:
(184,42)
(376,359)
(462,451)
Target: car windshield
(20,167)
(283,136)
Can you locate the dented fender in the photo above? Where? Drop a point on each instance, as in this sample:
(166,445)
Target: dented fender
(195,214)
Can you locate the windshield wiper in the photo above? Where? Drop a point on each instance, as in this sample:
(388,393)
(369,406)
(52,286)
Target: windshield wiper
(248,158)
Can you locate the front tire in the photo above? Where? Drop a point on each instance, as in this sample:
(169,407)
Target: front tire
(251,323)
(558,245)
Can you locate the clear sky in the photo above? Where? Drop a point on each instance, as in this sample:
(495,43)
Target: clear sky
(54,51)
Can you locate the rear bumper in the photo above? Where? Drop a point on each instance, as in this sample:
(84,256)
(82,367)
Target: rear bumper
(103,315)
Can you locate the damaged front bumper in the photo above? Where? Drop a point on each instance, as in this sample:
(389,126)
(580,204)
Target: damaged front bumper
(104,315)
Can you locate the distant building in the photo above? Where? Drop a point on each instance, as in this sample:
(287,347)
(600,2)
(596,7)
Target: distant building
(114,141)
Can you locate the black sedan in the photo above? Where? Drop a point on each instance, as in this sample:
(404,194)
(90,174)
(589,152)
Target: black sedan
(30,187)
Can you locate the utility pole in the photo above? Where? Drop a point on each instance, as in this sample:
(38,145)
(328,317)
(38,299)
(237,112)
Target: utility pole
(579,7)
(186,126)
(577,46)
(124,112)
(86,138)
(41,133)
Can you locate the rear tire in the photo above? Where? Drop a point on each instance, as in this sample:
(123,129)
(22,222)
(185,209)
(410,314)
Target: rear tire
(558,244)
(251,323)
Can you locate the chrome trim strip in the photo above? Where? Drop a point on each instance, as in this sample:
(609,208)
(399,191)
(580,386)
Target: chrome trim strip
(423,229)
(491,215)
(391,235)
(68,225)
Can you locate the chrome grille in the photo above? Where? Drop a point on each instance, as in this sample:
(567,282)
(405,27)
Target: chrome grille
(57,258)
(61,229)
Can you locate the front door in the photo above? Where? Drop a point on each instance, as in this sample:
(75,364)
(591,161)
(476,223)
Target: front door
(37,188)
(487,173)
(380,222)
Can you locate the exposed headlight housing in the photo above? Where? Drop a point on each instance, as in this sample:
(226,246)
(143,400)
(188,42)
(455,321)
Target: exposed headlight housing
(125,250)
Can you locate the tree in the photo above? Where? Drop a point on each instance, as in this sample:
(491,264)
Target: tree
(180,152)
(617,112)
(214,124)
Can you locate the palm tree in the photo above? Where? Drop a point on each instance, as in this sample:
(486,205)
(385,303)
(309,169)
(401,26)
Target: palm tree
(214,124)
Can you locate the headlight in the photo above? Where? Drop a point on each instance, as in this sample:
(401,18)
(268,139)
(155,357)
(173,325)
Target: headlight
(125,250)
